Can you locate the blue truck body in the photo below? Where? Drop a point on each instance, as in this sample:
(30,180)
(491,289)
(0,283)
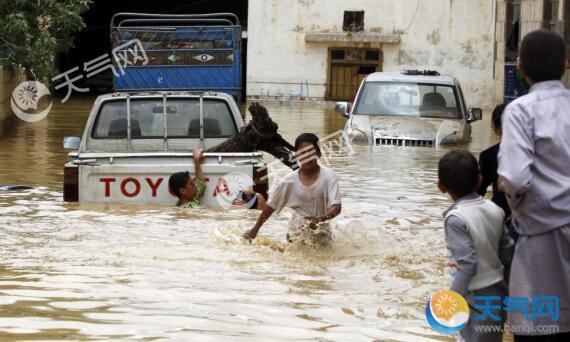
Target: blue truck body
(199,52)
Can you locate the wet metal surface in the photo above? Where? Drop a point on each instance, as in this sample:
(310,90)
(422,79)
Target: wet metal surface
(71,271)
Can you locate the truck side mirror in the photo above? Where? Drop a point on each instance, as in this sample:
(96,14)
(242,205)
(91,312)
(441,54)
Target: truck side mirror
(343,108)
(71,143)
(475,114)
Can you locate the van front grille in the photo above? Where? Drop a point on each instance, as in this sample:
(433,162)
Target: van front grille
(404,142)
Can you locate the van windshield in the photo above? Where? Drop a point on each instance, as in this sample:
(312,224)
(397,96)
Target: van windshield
(408,99)
(147,119)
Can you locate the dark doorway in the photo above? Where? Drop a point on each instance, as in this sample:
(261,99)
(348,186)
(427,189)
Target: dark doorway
(347,68)
(94,41)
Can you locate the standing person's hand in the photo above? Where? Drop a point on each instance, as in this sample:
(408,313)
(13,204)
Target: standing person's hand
(198,155)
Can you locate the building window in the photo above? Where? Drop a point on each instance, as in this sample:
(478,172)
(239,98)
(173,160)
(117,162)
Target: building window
(353,21)
(551,19)
(337,54)
(566,21)
(512,30)
(350,55)
(373,55)
(557,19)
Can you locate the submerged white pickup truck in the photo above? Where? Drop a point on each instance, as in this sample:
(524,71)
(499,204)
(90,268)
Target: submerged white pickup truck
(133,142)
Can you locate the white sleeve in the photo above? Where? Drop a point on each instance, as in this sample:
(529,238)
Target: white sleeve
(333,193)
(279,197)
(516,155)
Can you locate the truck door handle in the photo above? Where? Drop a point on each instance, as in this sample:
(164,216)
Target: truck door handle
(246,162)
(89,162)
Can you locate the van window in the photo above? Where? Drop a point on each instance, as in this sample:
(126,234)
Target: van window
(147,119)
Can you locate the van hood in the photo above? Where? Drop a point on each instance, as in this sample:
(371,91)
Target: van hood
(430,129)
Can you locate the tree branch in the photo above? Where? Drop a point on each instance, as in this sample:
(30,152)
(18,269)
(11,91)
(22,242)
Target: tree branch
(8,43)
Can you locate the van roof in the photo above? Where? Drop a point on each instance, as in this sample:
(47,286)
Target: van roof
(399,77)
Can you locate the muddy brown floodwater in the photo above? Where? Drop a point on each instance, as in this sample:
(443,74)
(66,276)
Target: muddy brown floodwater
(70,271)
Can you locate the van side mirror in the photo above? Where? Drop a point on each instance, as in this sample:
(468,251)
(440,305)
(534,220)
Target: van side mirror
(475,114)
(71,143)
(343,108)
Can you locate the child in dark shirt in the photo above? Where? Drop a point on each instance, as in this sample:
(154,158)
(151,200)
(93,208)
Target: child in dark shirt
(488,164)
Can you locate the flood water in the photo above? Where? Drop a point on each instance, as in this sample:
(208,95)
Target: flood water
(70,271)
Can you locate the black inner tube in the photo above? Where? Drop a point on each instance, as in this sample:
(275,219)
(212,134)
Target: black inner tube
(15,187)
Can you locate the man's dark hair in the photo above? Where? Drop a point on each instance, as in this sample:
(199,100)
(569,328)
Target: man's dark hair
(459,172)
(543,55)
(310,138)
(497,116)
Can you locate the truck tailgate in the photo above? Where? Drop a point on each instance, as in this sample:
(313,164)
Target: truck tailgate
(145,180)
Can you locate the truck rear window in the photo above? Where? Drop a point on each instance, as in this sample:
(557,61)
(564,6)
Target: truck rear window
(147,119)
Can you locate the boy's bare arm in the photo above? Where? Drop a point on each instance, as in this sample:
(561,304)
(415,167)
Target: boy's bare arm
(198,156)
(264,216)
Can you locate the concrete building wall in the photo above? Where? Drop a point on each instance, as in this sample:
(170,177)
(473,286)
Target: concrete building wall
(450,36)
(500,51)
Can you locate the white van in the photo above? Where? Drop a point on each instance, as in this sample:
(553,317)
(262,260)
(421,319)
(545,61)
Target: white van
(411,108)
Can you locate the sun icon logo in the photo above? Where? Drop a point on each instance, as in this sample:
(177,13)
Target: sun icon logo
(447,312)
(25,100)
(28,95)
(445,305)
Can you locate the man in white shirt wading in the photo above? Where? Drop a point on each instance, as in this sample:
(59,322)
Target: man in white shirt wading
(312,192)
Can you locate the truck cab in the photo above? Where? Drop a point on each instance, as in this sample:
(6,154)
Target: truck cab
(133,142)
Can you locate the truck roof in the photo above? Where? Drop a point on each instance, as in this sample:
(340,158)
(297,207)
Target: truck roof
(122,94)
(399,77)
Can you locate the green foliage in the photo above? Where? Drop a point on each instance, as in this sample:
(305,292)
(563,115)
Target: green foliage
(32,32)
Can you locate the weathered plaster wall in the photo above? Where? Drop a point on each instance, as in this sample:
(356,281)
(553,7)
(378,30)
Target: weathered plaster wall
(500,46)
(452,36)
